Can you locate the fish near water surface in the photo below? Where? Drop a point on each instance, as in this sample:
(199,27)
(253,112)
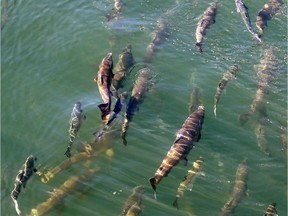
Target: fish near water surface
(266,13)
(207,19)
(229,75)
(104,79)
(267,70)
(75,122)
(271,210)
(187,181)
(140,87)
(189,133)
(118,4)
(133,204)
(125,62)
(260,135)
(239,190)
(21,179)
(243,10)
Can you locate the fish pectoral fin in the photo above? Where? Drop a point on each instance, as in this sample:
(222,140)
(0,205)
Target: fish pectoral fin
(35,170)
(199,137)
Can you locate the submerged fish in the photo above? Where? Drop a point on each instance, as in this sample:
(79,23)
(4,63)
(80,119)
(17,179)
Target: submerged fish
(118,4)
(104,79)
(76,119)
(133,204)
(267,71)
(21,180)
(243,10)
(271,210)
(266,13)
(140,87)
(125,62)
(207,19)
(194,101)
(184,142)
(239,190)
(260,135)
(229,75)
(188,179)
(158,37)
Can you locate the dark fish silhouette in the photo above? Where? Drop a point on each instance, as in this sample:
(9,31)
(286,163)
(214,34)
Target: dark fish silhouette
(260,135)
(22,178)
(184,142)
(125,62)
(76,119)
(271,210)
(266,13)
(243,10)
(158,37)
(207,19)
(229,75)
(133,204)
(239,190)
(118,4)
(140,87)
(266,72)
(188,179)
(104,79)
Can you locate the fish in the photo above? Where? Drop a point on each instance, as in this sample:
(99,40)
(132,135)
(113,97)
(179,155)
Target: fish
(260,135)
(118,5)
(266,72)
(160,34)
(189,133)
(188,179)
(21,179)
(243,10)
(266,13)
(133,204)
(229,75)
(271,210)
(206,20)
(75,122)
(121,69)
(140,87)
(73,184)
(195,99)
(104,79)
(239,189)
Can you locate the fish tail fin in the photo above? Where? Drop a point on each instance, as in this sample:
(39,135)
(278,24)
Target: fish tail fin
(175,203)
(153,184)
(16,206)
(124,130)
(199,46)
(215,108)
(244,118)
(105,110)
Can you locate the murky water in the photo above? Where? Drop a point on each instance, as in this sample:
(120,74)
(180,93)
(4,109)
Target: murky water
(50,54)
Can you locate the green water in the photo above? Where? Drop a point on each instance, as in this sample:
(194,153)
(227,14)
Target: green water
(50,52)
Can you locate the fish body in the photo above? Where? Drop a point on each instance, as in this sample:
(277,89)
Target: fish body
(271,210)
(125,62)
(229,75)
(118,5)
(239,190)
(21,179)
(195,100)
(207,19)
(158,37)
(266,13)
(267,70)
(260,135)
(132,205)
(75,122)
(185,137)
(243,10)
(140,87)
(188,179)
(104,79)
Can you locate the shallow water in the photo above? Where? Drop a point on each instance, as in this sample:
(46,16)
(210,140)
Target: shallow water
(50,55)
